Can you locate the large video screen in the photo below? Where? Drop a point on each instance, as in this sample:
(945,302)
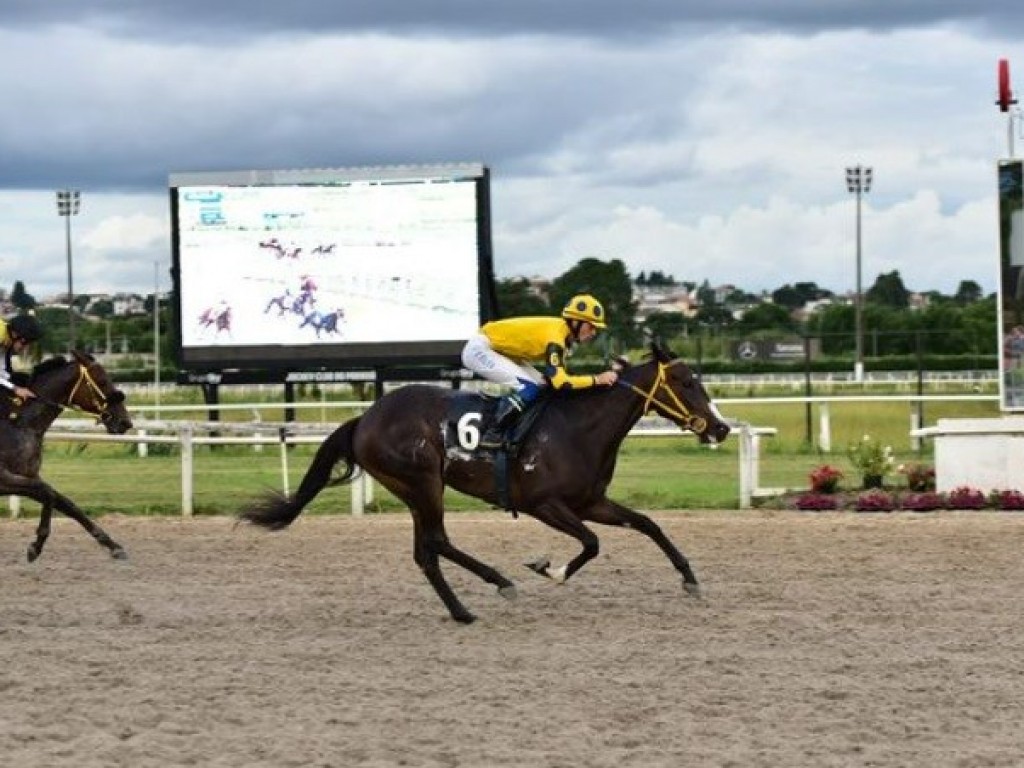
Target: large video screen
(337,269)
(1011,284)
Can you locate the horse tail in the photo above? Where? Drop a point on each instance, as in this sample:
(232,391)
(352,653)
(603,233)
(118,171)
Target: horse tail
(275,510)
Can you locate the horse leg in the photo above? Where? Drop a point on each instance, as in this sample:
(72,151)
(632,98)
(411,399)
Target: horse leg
(69,508)
(561,518)
(425,553)
(35,549)
(35,489)
(608,512)
(425,501)
(450,552)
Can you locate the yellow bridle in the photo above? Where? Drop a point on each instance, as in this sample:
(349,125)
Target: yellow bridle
(100,400)
(675,406)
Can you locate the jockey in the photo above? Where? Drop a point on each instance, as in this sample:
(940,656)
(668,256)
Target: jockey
(503,350)
(16,335)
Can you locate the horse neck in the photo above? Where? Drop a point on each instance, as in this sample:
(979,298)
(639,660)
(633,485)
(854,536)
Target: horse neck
(38,415)
(605,416)
(52,390)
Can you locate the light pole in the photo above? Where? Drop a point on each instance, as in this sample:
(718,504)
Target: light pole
(69,201)
(858,183)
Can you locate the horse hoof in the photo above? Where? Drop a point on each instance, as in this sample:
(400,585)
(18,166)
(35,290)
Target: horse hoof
(540,565)
(693,590)
(509,592)
(464,618)
(33,553)
(119,554)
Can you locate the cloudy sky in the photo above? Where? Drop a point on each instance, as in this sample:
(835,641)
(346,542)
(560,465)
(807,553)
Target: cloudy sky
(706,140)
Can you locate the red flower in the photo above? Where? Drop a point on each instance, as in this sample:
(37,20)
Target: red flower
(825,479)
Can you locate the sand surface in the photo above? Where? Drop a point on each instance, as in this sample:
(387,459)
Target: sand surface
(823,640)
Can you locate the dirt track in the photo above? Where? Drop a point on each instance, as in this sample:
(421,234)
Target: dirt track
(824,640)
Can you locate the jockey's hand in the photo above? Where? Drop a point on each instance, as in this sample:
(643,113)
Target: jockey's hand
(24,393)
(606,378)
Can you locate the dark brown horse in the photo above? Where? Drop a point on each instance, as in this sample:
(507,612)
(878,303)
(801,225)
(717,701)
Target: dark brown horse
(418,439)
(81,384)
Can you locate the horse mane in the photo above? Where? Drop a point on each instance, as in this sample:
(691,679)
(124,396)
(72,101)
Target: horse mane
(41,369)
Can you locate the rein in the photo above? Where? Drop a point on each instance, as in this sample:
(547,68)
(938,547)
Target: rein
(675,407)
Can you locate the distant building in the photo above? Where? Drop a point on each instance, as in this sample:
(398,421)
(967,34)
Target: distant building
(651,300)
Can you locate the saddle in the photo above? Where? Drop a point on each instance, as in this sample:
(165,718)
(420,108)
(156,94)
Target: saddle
(463,411)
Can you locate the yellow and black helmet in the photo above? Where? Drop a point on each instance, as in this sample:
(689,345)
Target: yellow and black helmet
(585,307)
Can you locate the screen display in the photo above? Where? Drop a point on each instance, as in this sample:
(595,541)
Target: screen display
(1011,284)
(360,270)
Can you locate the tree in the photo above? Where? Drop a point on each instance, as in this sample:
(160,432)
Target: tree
(706,295)
(515,299)
(21,298)
(787,296)
(766,317)
(666,325)
(967,293)
(889,291)
(611,284)
(103,308)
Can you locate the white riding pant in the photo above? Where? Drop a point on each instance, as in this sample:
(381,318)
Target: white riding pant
(481,359)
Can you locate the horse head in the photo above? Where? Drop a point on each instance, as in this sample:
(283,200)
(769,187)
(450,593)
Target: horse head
(83,383)
(671,390)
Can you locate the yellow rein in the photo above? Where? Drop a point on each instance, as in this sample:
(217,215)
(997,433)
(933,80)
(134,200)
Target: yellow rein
(676,407)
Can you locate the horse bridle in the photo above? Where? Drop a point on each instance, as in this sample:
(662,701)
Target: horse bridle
(676,407)
(100,400)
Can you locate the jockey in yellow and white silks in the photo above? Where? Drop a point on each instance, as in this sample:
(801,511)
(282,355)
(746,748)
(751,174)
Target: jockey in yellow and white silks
(504,352)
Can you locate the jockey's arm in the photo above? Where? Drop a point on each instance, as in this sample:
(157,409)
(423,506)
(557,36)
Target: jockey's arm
(23,392)
(554,371)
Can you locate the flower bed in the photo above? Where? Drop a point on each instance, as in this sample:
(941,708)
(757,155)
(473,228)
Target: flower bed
(927,501)
(875,500)
(965,497)
(1010,500)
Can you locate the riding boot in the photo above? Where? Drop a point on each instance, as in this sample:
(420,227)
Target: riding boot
(505,415)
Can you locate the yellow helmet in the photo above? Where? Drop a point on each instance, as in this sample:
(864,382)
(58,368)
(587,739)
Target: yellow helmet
(585,307)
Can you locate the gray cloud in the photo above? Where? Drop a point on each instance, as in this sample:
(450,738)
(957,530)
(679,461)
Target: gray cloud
(706,141)
(200,19)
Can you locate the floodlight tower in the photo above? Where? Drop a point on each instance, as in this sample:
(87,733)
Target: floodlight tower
(858,183)
(69,202)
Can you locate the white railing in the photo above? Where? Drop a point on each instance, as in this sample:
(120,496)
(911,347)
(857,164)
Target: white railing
(260,433)
(187,434)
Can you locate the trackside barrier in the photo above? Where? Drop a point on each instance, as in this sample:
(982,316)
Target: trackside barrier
(915,403)
(186,438)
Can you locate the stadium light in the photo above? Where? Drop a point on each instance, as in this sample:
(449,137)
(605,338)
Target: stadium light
(858,183)
(69,202)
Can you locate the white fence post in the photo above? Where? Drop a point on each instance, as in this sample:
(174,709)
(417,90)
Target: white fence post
(746,478)
(143,447)
(367,488)
(358,496)
(282,436)
(825,429)
(14,504)
(187,458)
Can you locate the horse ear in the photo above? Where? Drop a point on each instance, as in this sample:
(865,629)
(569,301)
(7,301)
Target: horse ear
(621,363)
(661,352)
